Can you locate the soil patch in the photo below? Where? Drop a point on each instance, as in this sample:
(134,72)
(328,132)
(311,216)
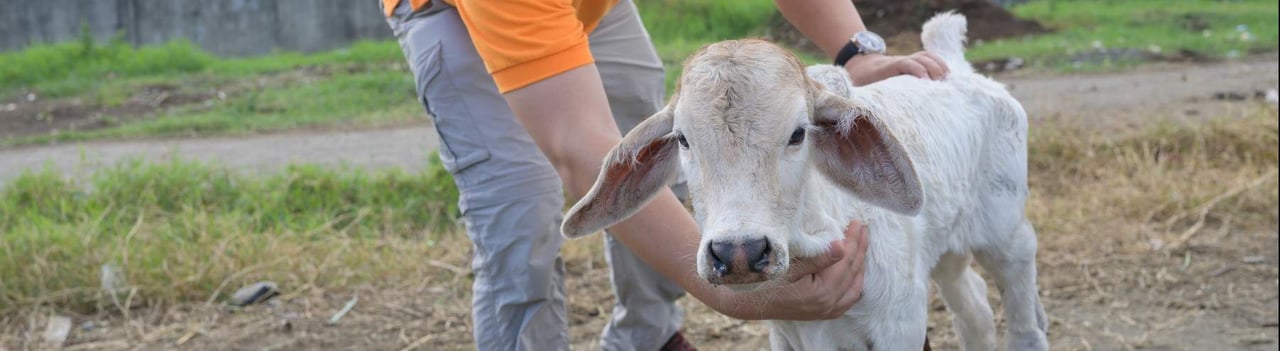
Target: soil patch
(899,22)
(29,114)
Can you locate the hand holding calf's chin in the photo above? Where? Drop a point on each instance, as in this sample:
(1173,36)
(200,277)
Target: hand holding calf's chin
(815,288)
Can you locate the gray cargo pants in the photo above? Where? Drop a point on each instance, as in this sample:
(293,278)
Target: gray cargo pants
(512,198)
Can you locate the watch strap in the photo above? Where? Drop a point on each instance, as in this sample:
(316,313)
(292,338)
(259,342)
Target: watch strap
(849,50)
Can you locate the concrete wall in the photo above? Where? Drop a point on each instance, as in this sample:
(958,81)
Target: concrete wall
(223,27)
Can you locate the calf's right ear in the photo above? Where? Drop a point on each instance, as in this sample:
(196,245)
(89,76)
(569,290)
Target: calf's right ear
(633,173)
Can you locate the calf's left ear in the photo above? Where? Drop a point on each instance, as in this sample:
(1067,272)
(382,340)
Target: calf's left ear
(859,153)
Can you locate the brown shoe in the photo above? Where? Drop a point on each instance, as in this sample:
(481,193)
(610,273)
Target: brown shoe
(678,343)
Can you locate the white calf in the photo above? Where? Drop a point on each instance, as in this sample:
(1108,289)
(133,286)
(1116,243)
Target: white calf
(779,158)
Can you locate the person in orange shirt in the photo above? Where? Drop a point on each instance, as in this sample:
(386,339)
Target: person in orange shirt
(528,96)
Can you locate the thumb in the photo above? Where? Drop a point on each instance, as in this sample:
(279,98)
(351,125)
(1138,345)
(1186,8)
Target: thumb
(808,266)
(855,236)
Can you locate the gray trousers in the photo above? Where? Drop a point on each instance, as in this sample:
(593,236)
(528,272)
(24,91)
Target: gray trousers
(512,198)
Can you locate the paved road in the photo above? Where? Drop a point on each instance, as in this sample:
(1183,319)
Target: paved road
(1176,91)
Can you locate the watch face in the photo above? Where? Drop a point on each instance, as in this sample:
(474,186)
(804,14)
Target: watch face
(869,42)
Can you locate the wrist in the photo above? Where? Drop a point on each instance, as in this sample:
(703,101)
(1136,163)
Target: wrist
(861,67)
(860,61)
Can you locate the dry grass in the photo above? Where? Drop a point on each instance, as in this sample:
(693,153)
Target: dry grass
(1110,210)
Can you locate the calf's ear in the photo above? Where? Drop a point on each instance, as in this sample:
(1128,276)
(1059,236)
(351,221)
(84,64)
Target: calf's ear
(859,153)
(634,172)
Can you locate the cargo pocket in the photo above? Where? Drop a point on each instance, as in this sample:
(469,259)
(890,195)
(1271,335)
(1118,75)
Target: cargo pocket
(461,143)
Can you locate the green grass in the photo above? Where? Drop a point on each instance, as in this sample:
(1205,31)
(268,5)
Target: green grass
(178,229)
(1165,26)
(365,84)
(359,99)
(368,83)
(66,69)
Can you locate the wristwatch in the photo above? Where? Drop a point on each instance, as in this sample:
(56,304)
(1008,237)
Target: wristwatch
(864,42)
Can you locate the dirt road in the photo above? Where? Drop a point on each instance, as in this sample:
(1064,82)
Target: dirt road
(1178,91)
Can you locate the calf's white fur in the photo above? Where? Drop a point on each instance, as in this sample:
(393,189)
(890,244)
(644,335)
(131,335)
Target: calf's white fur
(937,169)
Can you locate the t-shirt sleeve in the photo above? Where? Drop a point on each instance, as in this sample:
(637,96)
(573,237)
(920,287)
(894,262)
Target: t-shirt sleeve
(524,41)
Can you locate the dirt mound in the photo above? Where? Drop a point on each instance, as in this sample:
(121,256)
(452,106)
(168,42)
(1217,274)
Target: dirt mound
(899,22)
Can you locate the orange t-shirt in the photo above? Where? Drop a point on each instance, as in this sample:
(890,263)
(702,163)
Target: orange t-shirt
(525,41)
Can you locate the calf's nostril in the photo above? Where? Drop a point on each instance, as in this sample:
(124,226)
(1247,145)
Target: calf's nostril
(721,257)
(757,252)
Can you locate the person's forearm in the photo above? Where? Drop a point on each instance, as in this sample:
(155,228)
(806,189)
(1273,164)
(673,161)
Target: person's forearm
(828,23)
(568,117)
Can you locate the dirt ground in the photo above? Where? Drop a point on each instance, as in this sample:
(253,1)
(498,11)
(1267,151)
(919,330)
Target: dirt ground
(1220,294)
(29,114)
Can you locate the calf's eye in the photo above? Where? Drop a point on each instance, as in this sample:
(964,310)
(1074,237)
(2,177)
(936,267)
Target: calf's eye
(797,137)
(683,142)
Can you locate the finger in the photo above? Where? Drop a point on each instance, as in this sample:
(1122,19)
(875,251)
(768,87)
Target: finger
(860,252)
(857,234)
(946,70)
(934,69)
(852,233)
(854,294)
(841,275)
(805,267)
(912,67)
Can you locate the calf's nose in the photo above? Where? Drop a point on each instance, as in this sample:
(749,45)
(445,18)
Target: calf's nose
(739,256)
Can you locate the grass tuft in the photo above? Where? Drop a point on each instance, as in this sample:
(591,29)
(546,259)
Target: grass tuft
(179,228)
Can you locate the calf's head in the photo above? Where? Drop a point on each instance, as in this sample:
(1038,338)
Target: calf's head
(745,126)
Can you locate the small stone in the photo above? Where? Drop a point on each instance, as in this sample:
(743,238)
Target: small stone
(1253,259)
(112,279)
(255,293)
(1014,63)
(1272,96)
(56,331)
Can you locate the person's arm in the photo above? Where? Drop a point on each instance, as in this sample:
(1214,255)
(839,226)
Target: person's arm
(830,24)
(567,114)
